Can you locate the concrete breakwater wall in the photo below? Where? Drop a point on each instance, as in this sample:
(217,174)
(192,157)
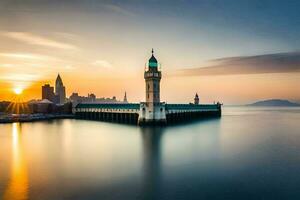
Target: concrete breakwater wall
(126,118)
(131,113)
(173,118)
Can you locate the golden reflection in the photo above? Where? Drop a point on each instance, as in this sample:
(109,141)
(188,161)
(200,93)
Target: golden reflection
(17,187)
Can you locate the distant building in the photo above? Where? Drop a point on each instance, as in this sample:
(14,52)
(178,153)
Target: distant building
(60,90)
(48,93)
(75,98)
(125,98)
(41,106)
(57,97)
(107,100)
(196,99)
(91,98)
(45,106)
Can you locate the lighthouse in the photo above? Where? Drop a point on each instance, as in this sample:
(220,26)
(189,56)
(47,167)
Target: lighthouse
(152,78)
(152,110)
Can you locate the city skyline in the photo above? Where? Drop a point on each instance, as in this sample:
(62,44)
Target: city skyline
(250,53)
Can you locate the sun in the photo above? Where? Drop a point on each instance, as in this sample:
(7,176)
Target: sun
(18,91)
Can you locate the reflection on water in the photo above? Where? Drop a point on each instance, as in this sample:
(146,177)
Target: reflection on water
(249,153)
(17,187)
(151,138)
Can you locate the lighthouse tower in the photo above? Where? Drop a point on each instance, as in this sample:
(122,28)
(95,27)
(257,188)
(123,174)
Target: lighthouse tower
(152,77)
(152,111)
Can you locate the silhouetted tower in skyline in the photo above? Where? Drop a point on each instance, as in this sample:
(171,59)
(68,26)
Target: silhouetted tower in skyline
(125,98)
(60,90)
(152,77)
(196,99)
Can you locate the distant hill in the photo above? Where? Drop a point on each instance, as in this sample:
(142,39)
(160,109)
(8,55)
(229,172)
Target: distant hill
(274,102)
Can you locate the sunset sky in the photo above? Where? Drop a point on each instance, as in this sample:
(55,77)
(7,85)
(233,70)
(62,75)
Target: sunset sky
(233,51)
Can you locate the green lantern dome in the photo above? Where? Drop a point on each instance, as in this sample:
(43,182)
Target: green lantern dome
(152,61)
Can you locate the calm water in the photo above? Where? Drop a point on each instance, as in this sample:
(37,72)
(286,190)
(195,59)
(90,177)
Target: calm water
(250,153)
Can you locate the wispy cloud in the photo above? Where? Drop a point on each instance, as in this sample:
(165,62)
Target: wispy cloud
(26,56)
(102,63)
(33,39)
(118,9)
(23,80)
(69,67)
(259,64)
(15,66)
(20,77)
(8,65)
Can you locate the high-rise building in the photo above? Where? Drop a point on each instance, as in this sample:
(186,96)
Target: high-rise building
(48,92)
(60,90)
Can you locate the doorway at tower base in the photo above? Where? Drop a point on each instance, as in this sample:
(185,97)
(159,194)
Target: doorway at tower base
(152,113)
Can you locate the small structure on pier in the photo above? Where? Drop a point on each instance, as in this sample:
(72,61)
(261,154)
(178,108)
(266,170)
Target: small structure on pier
(152,111)
(196,99)
(125,98)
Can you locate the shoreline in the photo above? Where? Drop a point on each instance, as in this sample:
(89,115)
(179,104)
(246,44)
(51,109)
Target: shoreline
(12,118)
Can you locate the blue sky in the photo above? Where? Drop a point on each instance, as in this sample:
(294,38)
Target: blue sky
(116,37)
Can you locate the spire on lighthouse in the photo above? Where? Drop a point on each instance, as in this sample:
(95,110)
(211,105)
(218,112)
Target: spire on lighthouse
(152,61)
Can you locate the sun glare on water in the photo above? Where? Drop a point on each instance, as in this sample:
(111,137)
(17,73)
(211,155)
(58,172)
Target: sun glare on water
(18,91)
